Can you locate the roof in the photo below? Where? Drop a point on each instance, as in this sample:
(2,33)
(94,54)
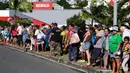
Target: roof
(49,16)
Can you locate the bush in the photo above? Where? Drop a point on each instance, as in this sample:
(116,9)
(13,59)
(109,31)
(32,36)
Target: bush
(23,21)
(4,23)
(3,6)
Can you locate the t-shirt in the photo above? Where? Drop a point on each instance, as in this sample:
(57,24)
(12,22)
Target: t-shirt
(14,32)
(48,35)
(106,43)
(56,35)
(100,40)
(63,34)
(19,29)
(81,33)
(114,41)
(39,34)
(74,38)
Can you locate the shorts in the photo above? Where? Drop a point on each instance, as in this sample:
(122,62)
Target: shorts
(40,41)
(14,36)
(113,55)
(28,41)
(7,37)
(32,41)
(87,45)
(96,52)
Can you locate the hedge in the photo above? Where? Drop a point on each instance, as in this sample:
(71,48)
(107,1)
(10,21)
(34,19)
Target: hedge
(4,23)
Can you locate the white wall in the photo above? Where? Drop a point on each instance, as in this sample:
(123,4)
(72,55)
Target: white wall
(4,13)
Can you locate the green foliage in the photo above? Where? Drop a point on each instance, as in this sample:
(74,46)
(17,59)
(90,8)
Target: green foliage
(23,21)
(25,6)
(104,14)
(64,4)
(3,6)
(4,23)
(76,20)
(93,1)
(81,4)
(21,5)
(13,4)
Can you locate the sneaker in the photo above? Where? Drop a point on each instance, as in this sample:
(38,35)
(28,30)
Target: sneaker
(81,60)
(105,69)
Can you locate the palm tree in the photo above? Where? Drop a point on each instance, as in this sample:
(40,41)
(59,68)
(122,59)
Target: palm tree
(20,5)
(104,13)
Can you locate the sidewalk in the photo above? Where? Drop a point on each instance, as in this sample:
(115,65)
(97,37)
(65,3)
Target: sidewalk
(63,60)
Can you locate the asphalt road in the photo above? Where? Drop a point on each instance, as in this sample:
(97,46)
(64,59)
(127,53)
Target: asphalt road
(12,61)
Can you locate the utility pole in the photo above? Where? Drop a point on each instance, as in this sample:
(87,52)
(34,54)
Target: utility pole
(115,13)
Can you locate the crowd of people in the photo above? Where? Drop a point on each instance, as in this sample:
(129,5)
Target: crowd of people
(111,46)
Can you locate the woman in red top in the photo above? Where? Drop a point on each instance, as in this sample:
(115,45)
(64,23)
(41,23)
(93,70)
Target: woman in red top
(14,35)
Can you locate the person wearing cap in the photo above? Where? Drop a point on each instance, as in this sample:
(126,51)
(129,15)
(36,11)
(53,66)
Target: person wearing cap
(125,30)
(114,46)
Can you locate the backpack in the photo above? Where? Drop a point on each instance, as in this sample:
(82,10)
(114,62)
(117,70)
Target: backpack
(93,39)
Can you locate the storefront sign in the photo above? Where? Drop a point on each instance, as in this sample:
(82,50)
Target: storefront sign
(42,6)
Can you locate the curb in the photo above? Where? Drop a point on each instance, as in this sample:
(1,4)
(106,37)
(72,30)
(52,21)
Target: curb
(77,67)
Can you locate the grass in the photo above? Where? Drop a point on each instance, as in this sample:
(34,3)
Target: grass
(64,57)
(45,53)
(82,63)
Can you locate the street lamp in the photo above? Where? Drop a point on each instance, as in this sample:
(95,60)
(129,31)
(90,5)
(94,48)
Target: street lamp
(115,13)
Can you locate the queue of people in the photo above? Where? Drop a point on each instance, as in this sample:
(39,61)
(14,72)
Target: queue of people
(110,46)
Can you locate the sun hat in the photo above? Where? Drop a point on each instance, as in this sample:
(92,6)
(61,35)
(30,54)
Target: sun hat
(126,25)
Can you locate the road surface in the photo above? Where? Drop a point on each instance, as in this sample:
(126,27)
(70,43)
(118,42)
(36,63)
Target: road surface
(12,61)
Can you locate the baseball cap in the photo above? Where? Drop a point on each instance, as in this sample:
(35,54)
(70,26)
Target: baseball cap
(114,28)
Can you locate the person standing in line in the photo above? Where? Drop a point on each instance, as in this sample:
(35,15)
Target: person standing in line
(20,32)
(114,45)
(126,54)
(26,38)
(106,47)
(87,44)
(96,52)
(14,34)
(74,40)
(63,35)
(56,39)
(125,30)
(39,38)
(81,33)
